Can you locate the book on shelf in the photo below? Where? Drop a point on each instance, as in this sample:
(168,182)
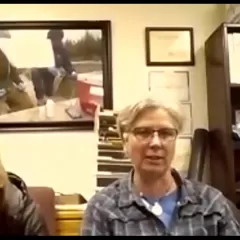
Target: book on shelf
(111,175)
(104,132)
(110,146)
(112,153)
(234,57)
(109,159)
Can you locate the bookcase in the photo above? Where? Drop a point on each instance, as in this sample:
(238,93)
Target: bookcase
(112,163)
(222,54)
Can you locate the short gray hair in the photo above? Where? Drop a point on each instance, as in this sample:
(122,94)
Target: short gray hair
(128,116)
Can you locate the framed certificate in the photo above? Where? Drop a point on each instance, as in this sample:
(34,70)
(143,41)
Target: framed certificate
(169,46)
(174,82)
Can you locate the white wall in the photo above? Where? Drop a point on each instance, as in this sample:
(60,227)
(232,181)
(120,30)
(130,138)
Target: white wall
(129,76)
(64,161)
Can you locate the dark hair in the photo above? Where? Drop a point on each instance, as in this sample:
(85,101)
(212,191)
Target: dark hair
(55,34)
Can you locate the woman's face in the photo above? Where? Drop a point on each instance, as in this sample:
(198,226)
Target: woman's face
(151,143)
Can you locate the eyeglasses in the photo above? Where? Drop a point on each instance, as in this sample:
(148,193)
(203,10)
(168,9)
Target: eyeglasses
(145,133)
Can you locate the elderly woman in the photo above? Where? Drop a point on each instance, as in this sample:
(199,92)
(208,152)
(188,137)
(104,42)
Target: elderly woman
(154,199)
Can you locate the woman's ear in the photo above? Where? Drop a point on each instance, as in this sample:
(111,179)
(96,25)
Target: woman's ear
(125,137)
(125,143)
(125,149)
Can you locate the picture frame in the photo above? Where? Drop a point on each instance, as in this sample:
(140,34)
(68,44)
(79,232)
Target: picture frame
(60,71)
(177,81)
(169,46)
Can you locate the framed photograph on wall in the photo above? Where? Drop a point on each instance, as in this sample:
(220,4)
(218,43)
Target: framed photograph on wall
(169,46)
(54,74)
(176,82)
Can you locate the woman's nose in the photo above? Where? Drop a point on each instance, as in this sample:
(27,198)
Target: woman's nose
(156,140)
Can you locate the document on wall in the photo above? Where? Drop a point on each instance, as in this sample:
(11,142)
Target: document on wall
(187,113)
(182,155)
(175,83)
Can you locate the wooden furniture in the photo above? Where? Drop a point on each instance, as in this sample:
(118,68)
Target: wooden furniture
(69,220)
(45,198)
(223,100)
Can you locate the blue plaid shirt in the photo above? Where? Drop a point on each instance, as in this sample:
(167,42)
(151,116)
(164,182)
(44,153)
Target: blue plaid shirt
(118,211)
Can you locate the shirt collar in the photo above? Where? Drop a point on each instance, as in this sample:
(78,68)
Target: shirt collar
(128,195)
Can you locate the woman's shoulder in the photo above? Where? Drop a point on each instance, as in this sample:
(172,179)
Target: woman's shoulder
(110,196)
(209,196)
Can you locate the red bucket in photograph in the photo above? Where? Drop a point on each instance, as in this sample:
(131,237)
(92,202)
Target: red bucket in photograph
(90,95)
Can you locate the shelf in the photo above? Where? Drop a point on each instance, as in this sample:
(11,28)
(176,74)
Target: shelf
(236,146)
(235,85)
